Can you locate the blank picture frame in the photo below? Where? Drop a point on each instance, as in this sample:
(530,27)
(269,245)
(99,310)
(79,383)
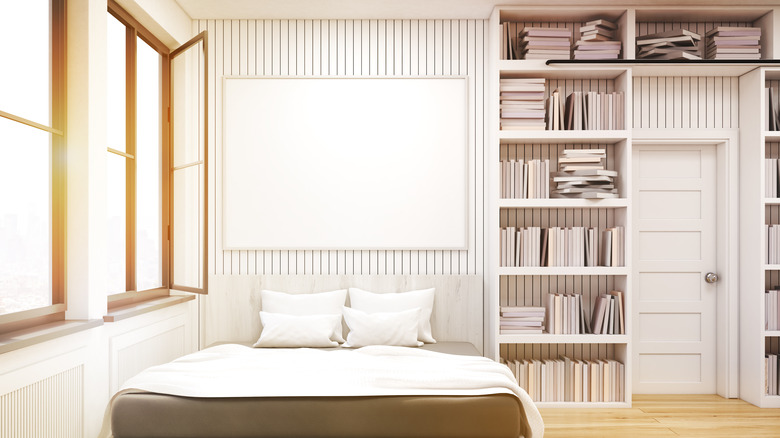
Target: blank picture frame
(345,163)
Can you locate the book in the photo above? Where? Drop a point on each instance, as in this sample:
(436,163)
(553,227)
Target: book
(545,32)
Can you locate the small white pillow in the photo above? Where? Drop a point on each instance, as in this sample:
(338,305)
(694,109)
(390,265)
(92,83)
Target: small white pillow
(322,303)
(382,328)
(280,330)
(370,302)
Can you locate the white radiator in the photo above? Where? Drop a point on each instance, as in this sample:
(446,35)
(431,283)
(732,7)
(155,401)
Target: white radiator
(50,408)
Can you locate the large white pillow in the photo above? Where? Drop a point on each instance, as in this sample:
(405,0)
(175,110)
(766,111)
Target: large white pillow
(370,302)
(280,330)
(322,303)
(382,328)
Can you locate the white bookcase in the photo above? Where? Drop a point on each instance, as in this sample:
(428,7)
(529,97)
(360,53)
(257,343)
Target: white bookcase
(757,208)
(528,286)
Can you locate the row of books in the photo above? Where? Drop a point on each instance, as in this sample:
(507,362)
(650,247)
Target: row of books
(525,179)
(570,380)
(772,244)
(588,110)
(773,115)
(771,180)
(521,320)
(609,316)
(556,246)
(724,42)
(772,310)
(582,174)
(771,376)
(522,103)
(565,315)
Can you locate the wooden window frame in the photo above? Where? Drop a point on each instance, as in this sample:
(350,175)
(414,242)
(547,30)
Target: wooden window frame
(56,311)
(134,30)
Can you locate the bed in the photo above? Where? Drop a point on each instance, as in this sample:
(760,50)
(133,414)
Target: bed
(232,390)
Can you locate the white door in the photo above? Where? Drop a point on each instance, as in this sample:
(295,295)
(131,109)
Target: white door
(674,210)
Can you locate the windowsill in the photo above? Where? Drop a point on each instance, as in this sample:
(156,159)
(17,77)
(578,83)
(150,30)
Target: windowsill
(141,307)
(35,335)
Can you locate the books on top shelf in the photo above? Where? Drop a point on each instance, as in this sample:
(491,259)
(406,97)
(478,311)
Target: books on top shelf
(521,320)
(724,42)
(609,315)
(772,310)
(677,44)
(544,43)
(597,41)
(564,247)
(525,179)
(581,174)
(522,103)
(570,380)
(771,375)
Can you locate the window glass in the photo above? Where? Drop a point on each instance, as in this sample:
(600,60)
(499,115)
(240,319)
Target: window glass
(25,217)
(148,155)
(116,226)
(116,91)
(25,32)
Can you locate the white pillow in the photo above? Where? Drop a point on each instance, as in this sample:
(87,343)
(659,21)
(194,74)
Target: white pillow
(280,330)
(322,303)
(382,328)
(371,303)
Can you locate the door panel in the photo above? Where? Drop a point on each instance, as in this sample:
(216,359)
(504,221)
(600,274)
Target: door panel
(675,194)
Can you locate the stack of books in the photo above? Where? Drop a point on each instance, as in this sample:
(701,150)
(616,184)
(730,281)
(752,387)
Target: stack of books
(608,315)
(597,41)
(544,43)
(570,380)
(677,44)
(772,310)
(725,42)
(522,103)
(565,314)
(521,320)
(525,179)
(581,174)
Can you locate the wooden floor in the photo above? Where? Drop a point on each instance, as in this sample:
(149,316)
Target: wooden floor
(666,416)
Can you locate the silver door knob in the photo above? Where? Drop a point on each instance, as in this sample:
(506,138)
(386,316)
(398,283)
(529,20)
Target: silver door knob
(711,277)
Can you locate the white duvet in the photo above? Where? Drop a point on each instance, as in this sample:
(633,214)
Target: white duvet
(239,371)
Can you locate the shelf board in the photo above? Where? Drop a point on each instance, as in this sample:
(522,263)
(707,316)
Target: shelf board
(599,405)
(544,338)
(771,201)
(529,68)
(565,270)
(772,333)
(670,67)
(772,136)
(564,203)
(768,267)
(562,136)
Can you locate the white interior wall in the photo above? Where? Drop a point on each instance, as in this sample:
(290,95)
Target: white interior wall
(346,48)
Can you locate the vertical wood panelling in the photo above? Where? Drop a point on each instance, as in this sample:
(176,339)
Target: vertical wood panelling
(346,48)
(671,102)
(50,408)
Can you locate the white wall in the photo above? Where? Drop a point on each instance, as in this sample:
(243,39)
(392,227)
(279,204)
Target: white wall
(346,48)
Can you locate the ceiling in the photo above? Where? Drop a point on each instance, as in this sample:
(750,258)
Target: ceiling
(400,9)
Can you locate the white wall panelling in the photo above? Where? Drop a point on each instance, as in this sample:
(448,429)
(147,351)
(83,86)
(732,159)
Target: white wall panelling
(686,102)
(347,48)
(230,311)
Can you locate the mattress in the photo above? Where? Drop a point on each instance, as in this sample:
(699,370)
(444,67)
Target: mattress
(152,414)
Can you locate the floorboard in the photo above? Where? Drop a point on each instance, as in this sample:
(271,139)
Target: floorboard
(666,416)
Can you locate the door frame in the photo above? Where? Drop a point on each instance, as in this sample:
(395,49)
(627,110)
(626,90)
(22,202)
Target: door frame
(726,142)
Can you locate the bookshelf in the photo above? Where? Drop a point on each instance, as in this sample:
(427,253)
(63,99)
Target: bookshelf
(758,208)
(532,285)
